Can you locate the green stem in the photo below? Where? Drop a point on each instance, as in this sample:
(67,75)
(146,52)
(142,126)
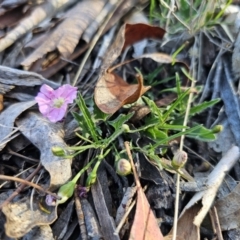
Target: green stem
(75,179)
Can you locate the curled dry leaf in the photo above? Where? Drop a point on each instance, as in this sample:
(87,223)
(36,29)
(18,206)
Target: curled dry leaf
(66,36)
(111,91)
(45,135)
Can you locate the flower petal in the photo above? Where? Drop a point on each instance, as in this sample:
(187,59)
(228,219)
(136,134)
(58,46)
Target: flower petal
(47,91)
(57,114)
(67,92)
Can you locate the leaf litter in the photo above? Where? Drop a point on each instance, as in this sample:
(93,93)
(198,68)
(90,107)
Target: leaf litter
(112,93)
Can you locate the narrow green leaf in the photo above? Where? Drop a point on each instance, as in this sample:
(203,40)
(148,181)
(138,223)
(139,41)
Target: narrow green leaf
(174,105)
(155,134)
(87,123)
(120,120)
(154,109)
(202,134)
(166,140)
(201,107)
(173,127)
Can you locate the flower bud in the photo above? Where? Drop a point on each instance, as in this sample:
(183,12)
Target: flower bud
(179,159)
(217,129)
(91,179)
(125,128)
(58,151)
(65,192)
(123,167)
(50,200)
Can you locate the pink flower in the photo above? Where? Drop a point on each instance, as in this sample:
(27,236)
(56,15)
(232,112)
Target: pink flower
(53,103)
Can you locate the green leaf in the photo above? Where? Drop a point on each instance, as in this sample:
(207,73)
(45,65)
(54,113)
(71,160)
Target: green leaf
(166,140)
(173,127)
(154,109)
(120,120)
(202,134)
(175,104)
(99,115)
(201,107)
(85,121)
(155,134)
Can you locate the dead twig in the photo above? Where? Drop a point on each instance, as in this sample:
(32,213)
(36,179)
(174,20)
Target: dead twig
(215,223)
(23,185)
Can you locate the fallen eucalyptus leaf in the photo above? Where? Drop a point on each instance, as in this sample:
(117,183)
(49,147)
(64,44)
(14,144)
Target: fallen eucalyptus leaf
(7,119)
(213,183)
(21,218)
(45,135)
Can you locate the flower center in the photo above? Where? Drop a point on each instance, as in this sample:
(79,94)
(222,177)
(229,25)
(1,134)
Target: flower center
(58,102)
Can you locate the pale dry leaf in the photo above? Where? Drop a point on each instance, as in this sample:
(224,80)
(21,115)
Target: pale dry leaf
(46,10)
(213,183)
(92,28)
(40,233)
(105,220)
(186,230)
(21,218)
(7,119)
(228,210)
(125,203)
(11,76)
(158,57)
(12,16)
(67,34)
(45,135)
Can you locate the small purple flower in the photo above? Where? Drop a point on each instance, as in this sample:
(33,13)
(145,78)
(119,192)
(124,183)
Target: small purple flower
(53,103)
(82,191)
(50,200)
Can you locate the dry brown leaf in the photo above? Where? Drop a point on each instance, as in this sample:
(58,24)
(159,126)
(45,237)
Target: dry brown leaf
(186,230)
(67,34)
(137,32)
(128,35)
(1,102)
(12,16)
(112,92)
(40,13)
(145,225)
(207,196)
(92,29)
(229,210)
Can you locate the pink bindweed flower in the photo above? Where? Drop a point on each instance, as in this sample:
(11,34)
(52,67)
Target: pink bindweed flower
(53,103)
